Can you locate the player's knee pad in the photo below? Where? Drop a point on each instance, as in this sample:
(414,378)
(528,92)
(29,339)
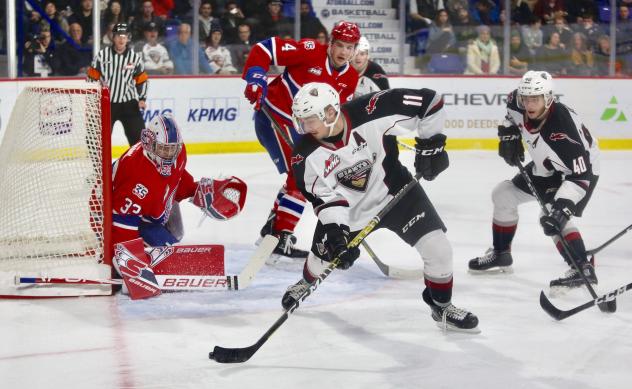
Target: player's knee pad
(314,266)
(436,252)
(506,198)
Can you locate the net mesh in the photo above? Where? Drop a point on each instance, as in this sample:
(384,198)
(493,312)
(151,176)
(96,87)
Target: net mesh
(51,179)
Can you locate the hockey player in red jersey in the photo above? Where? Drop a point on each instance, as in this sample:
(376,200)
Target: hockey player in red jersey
(347,166)
(151,176)
(305,61)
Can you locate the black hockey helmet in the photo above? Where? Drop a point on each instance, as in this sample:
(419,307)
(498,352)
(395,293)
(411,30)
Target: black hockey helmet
(120,29)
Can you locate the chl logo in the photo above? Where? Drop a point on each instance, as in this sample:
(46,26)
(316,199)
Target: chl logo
(357,176)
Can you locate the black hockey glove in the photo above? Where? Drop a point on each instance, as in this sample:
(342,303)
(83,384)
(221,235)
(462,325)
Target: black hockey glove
(431,158)
(561,212)
(336,239)
(510,146)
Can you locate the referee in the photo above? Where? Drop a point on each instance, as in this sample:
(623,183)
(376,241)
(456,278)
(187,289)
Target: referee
(123,72)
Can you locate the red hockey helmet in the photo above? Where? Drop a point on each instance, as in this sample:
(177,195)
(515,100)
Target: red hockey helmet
(346,32)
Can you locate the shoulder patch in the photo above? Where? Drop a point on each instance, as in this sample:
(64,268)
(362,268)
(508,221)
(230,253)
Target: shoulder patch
(296,159)
(370,107)
(140,191)
(555,136)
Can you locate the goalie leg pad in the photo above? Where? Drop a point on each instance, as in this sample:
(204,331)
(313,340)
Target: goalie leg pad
(131,262)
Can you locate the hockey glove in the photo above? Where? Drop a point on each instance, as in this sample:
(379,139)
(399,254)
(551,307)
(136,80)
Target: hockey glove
(336,238)
(510,145)
(561,212)
(431,158)
(257,87)
(221,199)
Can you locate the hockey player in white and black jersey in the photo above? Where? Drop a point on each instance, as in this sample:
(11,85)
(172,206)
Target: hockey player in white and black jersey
(372,77)
(347,166)
(564,171)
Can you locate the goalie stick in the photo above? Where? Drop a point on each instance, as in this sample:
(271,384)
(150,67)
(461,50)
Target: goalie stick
(559,314)
(387,270)
(606,306)
(240,355)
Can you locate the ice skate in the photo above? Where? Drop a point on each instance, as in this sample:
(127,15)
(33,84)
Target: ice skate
(449,317)
(285,247)
(572,278)
(492,262)
(293,293)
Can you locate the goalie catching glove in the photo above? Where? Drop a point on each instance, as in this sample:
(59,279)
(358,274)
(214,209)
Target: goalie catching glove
(335,239)
(221,199)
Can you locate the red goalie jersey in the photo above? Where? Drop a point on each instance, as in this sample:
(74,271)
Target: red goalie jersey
(305,61)
(146,197)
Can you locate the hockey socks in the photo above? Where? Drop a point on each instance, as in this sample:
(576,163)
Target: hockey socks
(503,234)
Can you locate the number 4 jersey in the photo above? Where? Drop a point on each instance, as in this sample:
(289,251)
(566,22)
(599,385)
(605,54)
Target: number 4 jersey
(560,144)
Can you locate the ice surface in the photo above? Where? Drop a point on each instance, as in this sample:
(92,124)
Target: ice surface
(359,329)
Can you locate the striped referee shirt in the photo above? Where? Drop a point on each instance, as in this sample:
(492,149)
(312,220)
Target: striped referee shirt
(123,73)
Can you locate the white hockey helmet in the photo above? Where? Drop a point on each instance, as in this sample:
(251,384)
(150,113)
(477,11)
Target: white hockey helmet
(312,100)
(536,83)
(162,142)
(363,45)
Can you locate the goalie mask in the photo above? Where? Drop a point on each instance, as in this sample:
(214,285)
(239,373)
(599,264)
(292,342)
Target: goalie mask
(310,105)
(536,83)
(162,143)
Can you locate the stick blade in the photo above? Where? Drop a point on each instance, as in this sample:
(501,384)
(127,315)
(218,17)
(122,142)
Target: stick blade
(231,355)
(549,308)
(608,306)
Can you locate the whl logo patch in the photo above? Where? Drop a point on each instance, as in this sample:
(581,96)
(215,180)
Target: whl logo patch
(610,112)
(331,163)
(357,176)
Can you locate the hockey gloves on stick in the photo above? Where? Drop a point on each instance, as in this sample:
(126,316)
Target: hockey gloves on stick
(257,87)
(561,212)
(220,199)
(431,158)
(510,146)
(335,239)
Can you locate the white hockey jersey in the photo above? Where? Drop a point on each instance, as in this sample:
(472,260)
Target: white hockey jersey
(350,177)
(561,143)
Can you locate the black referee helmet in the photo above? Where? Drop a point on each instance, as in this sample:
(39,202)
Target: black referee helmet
(120,29)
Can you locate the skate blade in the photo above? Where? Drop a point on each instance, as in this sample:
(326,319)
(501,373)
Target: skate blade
(451,328)
(492,270)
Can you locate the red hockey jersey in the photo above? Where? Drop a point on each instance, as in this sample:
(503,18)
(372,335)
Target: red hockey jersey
(140,193)
(305,61)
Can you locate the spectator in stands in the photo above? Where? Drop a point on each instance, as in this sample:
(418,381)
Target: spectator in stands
(485,12)
(602,58)
(83,16)
(255,11)
(114,14)
(310,24)
(560,26)
(38,56)
(155,56)
(108,35)
(547,10)
(274,23)
(218,56)
(582,62)
(322,37)
(464,30)
(552,57)
(532,35)
(181,51)
(182,11)
(147,15)
(239,51)
(624,32)
(520,12)
(482,54)
(231,19)
(162,8)
(51,11)
(519,55)
(578,8)
(453,7)
(206,18)
(70,60)
(420,10)
(590,29)
(441,35)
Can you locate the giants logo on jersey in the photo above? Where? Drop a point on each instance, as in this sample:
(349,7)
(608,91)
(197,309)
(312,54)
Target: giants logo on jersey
(331,163)
(555,136)
(373,102)
(357,176)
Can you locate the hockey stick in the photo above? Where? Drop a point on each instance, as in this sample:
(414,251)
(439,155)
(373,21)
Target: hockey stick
(239,355)
(610,306)
(559,314)
(390,271)
(607,243)
(257,260)
(387,270)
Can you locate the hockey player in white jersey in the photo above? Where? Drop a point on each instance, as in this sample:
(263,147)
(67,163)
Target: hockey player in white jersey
(564,170)
(372,77)
(348,168)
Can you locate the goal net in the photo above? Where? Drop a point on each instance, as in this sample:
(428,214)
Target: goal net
(55,184)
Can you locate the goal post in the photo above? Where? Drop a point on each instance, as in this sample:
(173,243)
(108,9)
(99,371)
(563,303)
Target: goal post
(55,189)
